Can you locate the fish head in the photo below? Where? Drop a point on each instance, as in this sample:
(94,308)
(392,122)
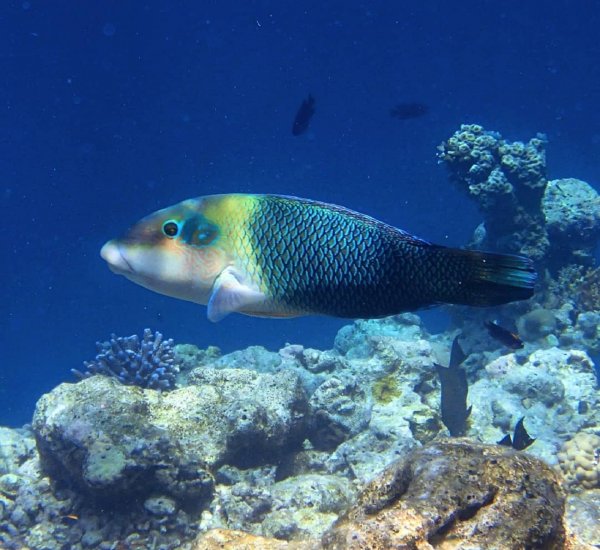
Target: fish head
(177,251)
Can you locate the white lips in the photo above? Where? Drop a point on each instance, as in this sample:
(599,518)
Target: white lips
(112,254)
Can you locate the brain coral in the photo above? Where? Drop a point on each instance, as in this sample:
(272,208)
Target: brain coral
(579,461)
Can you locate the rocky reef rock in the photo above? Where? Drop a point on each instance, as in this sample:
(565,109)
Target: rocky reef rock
(108,439)
(583,517)
(226,539)
(455,492)
(571,209)
(548,388)
(16,446)
(340,408)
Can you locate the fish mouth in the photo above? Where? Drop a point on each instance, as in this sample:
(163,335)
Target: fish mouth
(112,253)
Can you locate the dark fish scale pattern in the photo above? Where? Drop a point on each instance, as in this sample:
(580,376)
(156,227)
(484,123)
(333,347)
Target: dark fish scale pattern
(317,258)
(320,258)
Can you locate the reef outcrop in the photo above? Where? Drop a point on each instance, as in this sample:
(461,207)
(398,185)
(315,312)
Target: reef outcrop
(457,492)
(111,440)
(553,222)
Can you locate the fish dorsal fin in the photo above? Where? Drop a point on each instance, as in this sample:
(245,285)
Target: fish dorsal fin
(230,294)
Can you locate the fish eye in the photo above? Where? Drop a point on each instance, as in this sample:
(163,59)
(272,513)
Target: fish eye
(170,228)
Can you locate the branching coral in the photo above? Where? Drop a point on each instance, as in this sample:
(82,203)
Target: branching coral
(148,363)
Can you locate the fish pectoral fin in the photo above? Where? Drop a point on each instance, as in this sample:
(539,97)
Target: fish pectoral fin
(229,294)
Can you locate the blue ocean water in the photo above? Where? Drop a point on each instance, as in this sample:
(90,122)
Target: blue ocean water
(111,110)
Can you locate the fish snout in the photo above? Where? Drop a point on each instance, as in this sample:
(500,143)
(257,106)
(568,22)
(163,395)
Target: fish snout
(112,253)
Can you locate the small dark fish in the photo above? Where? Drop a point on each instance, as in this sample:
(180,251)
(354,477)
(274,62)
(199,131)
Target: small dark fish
(404,111)
(509,339)
(506,441)
(303,116)
(583,407)
(520,440)
(69,519)
(454,392)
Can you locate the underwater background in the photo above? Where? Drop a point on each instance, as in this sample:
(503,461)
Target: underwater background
(111,110)
(469,124)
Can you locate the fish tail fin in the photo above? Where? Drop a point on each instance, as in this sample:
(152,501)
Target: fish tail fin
(476,278)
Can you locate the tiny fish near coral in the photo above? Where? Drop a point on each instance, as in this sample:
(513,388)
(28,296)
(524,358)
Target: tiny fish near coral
(149,363)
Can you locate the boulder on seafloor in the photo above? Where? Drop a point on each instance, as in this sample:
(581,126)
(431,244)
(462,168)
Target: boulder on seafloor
(109,439)
(454,492)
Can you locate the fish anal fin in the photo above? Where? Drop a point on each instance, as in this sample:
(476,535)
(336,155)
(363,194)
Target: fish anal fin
(230,295)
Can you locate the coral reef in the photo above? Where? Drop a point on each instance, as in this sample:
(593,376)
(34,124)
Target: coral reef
(579,460)
(111,440)
(454,493)
(571,210)
(174,447)
(554,222)
(547,388)
(507,180)
(149,363)
(36,514)
(278,444)
(536,324)
(226,539)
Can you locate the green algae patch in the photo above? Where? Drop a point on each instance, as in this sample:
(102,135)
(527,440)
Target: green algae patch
(386,389)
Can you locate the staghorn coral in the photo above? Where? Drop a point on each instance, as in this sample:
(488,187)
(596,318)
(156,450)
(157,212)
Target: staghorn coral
(149,363)
(579,460)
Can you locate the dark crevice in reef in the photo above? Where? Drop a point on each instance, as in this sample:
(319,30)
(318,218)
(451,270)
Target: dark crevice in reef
(464,513)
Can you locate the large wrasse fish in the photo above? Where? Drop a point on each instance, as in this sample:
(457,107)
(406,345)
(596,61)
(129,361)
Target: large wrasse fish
(277,256)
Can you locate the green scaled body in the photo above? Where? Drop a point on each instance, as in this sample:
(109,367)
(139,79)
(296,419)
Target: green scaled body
(319,258)
(275,256)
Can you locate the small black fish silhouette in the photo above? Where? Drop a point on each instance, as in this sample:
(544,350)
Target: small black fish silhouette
(506,441)
(509,339)
(521,439)
(404,111)
(303,116)
(454,392)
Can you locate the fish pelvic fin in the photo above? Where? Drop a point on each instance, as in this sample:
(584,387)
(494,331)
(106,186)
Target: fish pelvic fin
(230,295)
